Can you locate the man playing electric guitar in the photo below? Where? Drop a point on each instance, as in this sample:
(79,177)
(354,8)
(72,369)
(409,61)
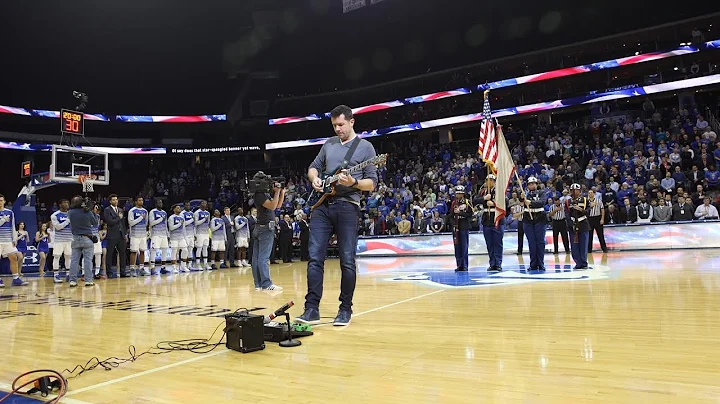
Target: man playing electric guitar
(337,214)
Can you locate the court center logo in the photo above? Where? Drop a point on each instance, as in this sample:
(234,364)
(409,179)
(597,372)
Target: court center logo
(511,275)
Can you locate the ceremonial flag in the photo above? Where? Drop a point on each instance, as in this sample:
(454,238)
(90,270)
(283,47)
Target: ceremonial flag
(504,173)
(487,144)
(493,150)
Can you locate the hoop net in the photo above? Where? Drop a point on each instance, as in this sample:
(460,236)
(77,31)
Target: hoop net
(87,182)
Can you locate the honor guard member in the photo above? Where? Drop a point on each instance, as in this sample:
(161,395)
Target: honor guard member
(577,207)
(493,235)
(534,223)
(462,212)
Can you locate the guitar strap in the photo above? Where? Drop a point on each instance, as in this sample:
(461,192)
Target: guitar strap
(340,190)
(351,151)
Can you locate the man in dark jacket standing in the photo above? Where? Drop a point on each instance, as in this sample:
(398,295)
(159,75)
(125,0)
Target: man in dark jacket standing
(461,210)
(229,238)
(116,234)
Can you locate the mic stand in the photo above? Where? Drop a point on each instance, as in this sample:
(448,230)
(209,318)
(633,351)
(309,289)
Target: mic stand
(290,342)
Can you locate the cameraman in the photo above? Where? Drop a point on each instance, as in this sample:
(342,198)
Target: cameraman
(263,235)
(82,221)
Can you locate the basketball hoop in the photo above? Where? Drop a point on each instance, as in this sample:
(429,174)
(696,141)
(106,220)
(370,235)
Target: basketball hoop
(87,182)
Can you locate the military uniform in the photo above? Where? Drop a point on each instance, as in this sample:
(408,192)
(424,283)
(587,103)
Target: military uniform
(461,228)
(534,224)
(493,235)
(579,228)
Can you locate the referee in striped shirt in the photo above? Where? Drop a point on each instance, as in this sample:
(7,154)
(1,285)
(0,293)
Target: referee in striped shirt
(559,225)
(596,219)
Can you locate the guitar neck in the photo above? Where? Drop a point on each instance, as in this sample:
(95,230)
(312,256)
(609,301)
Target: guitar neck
(358,167)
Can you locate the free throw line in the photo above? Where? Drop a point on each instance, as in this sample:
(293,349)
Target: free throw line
(198,358)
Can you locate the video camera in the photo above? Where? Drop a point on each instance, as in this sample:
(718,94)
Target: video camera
(262,182)
(84,203)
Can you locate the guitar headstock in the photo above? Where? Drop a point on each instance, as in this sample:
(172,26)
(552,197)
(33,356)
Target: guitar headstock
(381,159)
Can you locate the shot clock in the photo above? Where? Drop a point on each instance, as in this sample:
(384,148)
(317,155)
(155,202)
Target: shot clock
(72,122)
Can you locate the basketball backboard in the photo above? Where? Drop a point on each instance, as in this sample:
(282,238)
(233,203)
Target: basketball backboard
(69,163)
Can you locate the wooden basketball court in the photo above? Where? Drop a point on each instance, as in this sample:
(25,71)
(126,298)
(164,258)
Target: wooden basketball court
(641,327)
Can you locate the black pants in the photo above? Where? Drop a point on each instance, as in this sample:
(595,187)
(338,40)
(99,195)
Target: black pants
(286,248)
(598,228)
(119,245)
(230,249)
(274,253)
(521,236)
(304,254)
(560,227)
(250,248)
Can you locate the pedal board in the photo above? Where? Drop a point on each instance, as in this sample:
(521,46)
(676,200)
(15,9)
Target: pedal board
(276,332)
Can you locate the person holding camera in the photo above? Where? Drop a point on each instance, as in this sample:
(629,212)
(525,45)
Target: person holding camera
(82,221)
(263,236)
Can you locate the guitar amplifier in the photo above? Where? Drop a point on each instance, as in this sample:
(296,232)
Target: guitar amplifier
(244,332)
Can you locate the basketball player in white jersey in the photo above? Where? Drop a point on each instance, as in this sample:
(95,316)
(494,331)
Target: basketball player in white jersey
(63,238)
(219,238)
(242,237)
(189,218)
(202,235)
(159,235)
(137,223)
(8,237)
(178,240)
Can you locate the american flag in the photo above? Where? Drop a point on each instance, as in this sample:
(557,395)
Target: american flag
(494,151)
(487,144)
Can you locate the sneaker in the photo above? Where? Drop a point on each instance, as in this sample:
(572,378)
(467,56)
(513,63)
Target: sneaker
(73,284)
(343,318)
(2,285)
(58,279)
(273,287)
(19,282)
(145,272)
(310,316)
(88,284)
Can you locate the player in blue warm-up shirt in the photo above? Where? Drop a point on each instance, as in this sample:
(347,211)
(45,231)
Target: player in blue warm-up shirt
(8,235)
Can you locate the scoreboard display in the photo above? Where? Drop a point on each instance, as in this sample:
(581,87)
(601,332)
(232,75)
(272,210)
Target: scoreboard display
(26,169)
(72,122)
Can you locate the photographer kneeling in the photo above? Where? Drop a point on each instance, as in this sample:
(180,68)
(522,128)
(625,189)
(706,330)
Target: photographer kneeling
(82,220)
(263,235)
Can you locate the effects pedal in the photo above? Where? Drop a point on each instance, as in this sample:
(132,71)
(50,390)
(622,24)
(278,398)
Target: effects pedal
(277,332)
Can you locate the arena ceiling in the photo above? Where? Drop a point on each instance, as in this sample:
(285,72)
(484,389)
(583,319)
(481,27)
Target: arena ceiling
(182,57)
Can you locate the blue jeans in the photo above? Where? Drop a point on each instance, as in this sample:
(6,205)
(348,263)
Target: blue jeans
(81,245)
(579,249)
(461,241)
(535,233)
(339,218)
(494,242)
(262,239)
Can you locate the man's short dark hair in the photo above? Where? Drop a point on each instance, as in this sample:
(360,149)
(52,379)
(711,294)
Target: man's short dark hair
(342,110)
(2,196)
(60,202)
(112,196)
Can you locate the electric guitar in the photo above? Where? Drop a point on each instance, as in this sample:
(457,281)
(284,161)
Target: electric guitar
(329,181)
